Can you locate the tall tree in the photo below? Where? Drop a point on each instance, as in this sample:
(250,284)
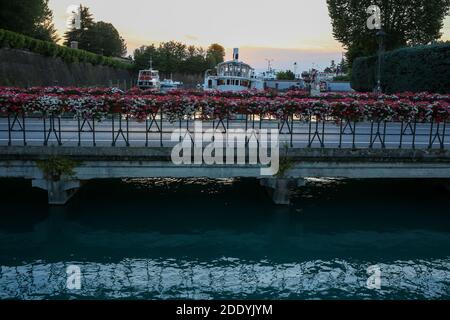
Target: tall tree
(170,57)
(77,34)
(45,29)
(215,55)
(29,17)
(343,66)
(103,38)
(97,37)
(406,22)
(143,55)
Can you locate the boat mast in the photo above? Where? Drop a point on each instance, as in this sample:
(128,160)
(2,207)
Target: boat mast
(269,65)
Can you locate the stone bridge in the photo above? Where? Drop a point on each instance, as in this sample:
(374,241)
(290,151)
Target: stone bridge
(59,153)
(124,162)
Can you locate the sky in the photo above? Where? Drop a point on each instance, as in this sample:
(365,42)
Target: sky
(285,31)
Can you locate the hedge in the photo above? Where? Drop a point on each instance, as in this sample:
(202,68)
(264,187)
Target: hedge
(415,69)
(14,40)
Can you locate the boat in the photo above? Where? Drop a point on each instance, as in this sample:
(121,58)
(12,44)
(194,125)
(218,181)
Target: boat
(149,79)
(170,84)
(233,75)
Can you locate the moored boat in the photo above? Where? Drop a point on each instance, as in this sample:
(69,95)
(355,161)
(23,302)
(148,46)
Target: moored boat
(233,75)
(149,79)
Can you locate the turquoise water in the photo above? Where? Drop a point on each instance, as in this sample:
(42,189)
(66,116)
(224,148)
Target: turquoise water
(203,239)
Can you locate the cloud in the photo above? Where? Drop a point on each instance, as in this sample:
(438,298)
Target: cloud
(191,37)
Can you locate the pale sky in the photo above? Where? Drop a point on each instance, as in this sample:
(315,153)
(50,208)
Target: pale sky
(286,31)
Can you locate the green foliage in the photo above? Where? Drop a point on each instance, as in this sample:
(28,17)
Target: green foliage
(14,40)
(342,78)
(86,22)
(417,69)
(54,168)
(170,57)
(96,37)
(29,17)
(406,23)
(215,55)
(286,75)
(102,38)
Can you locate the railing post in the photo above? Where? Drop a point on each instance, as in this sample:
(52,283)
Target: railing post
(128,131)
(9,131)
(161,127)
(443,136)
(45,129)
(24,130)
(430,145)
(93,132)
(79,131)
(112,130)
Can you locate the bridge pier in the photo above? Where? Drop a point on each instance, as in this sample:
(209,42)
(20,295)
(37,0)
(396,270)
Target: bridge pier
(280,189)
(447,186)
(59,192)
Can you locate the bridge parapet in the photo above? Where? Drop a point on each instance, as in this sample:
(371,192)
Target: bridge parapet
(116,162)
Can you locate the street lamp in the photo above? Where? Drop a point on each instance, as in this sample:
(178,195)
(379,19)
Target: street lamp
(380,38)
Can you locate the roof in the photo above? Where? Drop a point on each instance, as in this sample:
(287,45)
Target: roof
(235,63)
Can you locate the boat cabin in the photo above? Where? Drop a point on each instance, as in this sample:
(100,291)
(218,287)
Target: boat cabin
(232,75)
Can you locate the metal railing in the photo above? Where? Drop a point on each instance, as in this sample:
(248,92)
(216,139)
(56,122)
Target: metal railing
(155,131)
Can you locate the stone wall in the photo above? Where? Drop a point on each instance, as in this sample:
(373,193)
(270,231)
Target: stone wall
(24,69)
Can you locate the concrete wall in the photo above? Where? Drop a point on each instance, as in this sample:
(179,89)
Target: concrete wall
(23,69)
(109,162)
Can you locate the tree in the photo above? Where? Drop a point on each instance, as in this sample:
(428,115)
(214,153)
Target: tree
(195,61)
(332,68)
(102,38)
(215,55)
(97,37)
(29,17)
(45,29)
(342,68)
(86,22)
(406,22)
(143,55)
(170,57)
(285,75)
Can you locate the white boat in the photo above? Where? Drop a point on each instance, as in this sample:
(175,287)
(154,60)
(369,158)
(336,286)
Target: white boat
(170,84)
(149,79)
(269,75)
(232,75)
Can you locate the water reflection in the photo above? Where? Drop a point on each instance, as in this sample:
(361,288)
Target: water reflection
(203,239)
(227,278)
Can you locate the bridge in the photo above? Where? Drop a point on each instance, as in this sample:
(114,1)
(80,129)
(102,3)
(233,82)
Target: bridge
(59,154)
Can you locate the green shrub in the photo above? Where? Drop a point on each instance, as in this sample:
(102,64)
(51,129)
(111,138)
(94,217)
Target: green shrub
(415,69)
(14,40)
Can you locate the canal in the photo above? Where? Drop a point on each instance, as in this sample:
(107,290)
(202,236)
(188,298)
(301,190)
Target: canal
(205,239)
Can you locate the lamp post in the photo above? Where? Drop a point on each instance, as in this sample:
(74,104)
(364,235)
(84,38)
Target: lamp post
(380,38)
